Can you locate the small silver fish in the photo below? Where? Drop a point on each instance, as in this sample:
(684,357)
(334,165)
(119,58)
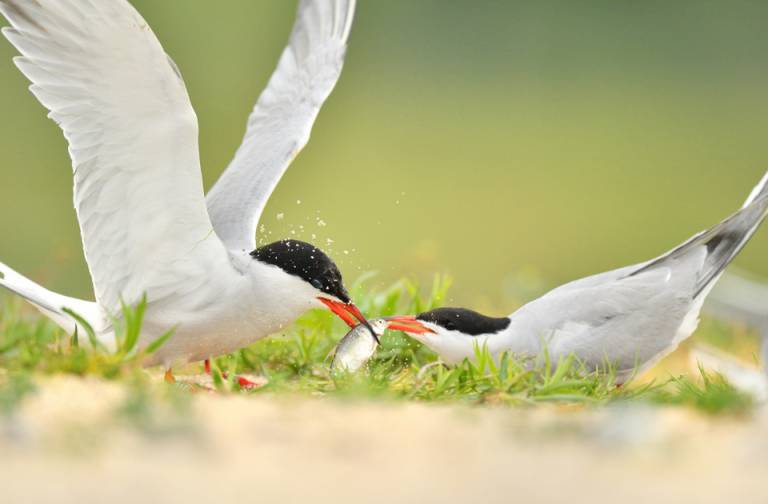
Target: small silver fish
(359,345)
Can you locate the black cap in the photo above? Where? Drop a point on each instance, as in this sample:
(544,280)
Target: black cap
(307,262)
(465,321)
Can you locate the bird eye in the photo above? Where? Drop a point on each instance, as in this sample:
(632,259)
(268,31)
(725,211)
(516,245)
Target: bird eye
(317,284)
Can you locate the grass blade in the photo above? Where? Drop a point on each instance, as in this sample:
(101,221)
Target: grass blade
(95,343)
(159,342)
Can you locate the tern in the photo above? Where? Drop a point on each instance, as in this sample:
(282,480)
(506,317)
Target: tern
(629,318)
(148,230)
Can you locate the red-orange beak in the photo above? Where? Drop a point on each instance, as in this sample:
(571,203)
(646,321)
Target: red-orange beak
(349,313)
(409,325)
(340,309)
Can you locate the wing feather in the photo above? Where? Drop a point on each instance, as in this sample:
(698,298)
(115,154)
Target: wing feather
(132,133)
(280,124)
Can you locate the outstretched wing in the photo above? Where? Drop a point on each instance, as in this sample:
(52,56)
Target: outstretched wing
(123,107)
(280,124)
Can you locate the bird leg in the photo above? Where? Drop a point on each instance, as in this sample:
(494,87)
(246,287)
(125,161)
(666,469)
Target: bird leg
(244,383)
(247,384)
(168,377)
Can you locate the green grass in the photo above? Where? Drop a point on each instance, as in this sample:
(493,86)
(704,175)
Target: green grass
(714,395)
(297,363)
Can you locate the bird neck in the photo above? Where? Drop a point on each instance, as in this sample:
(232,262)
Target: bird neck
(454,346)
(277,295)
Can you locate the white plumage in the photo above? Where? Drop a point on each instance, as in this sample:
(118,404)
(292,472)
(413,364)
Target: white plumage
(146,226)
(279,126)
(630,317)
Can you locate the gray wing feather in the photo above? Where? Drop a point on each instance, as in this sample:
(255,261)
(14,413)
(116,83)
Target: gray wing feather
(723,242)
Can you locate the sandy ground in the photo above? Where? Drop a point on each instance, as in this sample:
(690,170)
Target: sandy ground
(64,445)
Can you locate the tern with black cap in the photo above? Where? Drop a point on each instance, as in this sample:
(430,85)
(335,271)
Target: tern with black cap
(147,228)
(630,317)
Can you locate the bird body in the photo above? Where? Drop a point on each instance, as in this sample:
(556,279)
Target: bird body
(629,318)
(229,314)
(147,228)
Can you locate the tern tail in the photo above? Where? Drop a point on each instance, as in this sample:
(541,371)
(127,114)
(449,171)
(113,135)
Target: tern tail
(51,304)
(760,190)
(729,238)
(723,241)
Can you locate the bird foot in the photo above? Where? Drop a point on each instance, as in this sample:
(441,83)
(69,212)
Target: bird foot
(243,382)
(247,384)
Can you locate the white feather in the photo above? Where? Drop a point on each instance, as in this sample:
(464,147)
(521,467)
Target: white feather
(630,317)
(281,121)
(132,136)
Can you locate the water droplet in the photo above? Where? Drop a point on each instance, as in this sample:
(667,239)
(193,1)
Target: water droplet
(280,216)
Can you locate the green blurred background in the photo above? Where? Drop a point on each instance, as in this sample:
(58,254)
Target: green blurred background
(513,145)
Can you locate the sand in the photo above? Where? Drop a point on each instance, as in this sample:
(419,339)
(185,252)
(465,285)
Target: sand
(65,445)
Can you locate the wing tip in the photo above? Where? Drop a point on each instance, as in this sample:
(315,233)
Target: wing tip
(350,15)
(333,17)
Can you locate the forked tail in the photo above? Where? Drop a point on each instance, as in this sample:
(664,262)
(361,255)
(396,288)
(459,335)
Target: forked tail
(49,303)
(723,241)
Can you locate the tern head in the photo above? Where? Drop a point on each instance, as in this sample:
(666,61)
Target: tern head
(319,274)
(451,332)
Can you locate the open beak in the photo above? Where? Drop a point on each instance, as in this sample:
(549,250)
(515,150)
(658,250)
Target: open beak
(349,313)
(409,325)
